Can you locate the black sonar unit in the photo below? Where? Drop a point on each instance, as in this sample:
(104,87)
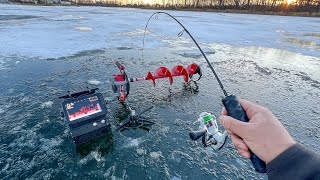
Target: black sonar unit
(85,113)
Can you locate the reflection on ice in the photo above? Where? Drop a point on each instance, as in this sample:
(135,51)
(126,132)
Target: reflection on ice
(83,28)
(73,16)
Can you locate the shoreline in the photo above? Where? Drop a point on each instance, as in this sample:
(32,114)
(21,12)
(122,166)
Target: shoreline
(235,11)
(282,13)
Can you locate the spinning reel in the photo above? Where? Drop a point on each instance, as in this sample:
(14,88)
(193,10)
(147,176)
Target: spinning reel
(209,132)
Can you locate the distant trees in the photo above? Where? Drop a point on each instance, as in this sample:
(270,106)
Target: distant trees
(253,5)
(249,5)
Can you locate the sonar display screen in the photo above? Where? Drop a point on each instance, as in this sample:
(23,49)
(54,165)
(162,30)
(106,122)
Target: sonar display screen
(83,108)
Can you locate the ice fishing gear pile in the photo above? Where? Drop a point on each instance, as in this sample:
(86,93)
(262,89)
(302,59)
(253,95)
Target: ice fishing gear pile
(121,82)
(85,109)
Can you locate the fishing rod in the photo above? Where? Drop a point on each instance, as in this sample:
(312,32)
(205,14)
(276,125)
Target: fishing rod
(230,102)
(180,34)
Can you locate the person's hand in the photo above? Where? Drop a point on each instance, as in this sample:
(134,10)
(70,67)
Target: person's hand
(263,134)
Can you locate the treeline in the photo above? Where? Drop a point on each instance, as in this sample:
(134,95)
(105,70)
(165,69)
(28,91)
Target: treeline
(291,7)
(249,5)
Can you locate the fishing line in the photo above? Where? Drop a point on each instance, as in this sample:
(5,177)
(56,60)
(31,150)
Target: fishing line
(156,14)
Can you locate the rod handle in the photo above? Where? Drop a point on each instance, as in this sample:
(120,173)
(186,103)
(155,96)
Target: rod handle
(235,110)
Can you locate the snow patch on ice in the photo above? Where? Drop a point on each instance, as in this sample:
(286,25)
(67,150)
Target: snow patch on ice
(17,128)
(2,66)
(136,32)
(156,155)
(73,17)
(48,144)
(83,28)
(141,151)
(84,160)
(1,111)
(47,104)
(94,82)
(164,129)
(25,99)
(97,156)
(134,143)
(177,156)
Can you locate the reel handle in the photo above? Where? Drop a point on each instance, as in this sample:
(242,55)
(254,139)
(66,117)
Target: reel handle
(195,135)
(235,110)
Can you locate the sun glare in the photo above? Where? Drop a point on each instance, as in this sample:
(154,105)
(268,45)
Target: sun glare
(291,1)
(148,1)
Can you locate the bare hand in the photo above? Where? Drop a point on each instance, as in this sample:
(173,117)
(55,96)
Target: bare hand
(263,134)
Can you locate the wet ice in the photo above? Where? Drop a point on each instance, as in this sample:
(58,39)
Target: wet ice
(54,57)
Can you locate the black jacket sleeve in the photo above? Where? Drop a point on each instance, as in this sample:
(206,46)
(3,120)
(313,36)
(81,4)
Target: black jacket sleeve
(297,162)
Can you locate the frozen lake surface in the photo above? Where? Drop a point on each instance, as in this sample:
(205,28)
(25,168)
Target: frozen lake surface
(60,31)
(46,51)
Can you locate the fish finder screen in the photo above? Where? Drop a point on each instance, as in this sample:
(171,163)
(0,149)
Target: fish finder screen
(83,108)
